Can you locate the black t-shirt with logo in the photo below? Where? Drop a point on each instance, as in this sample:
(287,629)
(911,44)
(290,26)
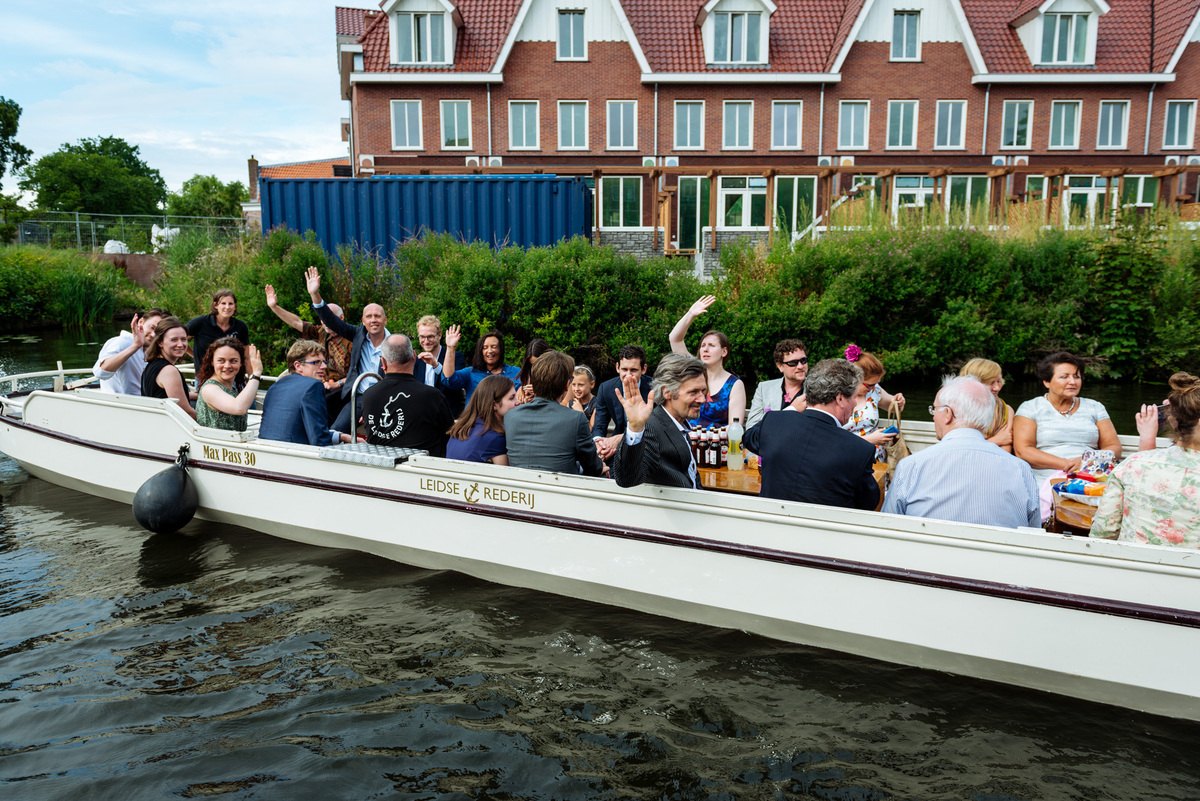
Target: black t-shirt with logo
(401,412)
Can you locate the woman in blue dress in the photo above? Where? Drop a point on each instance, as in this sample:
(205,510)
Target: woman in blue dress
(726,399)
(488,360)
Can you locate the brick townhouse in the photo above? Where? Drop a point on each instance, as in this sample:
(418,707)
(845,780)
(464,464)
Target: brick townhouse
(572,86)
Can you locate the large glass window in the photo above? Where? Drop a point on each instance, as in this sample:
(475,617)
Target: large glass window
(621,202)
(421,38)
(571,44)
(689,124)
(622,124)
(852,124)
(693,210)
(735,36)
(795,199)
(1139,190)
(743,202)
(1064,38)
(738,114)
(1017,114)
(1178,132)
(1111,127)
(951,124)
(902,124)
(406,125)
(906,42)
(572,125)
(968,199)
(456,124)
(523,125)
(786,118)
(1064,124)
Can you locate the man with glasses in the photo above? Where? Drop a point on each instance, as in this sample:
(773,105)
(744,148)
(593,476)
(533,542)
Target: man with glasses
(791,358)
(964,477)
(294,409)
(428,369)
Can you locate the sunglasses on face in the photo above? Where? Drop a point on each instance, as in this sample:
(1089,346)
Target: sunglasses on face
(795,362)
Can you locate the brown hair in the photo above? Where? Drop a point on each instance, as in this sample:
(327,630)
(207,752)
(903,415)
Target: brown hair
(533,350)
(1045,368)
(551,373)
(870,364)
(1185,406)
(300,349)
(223,293)
(206,365)
(478,362)
(722,340)
(154,349)
(785,346)
(482,406)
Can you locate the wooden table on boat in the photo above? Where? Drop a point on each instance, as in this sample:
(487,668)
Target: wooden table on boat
(748,482)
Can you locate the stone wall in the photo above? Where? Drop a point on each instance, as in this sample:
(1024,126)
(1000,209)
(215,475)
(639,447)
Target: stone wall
(637,242)
(708,261)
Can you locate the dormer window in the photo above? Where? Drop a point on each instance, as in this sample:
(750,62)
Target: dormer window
(572,46)
(736,36)
(1065,39)
(421,38)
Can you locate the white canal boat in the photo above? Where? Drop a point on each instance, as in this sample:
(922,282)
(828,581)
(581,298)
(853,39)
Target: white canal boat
(1106,621)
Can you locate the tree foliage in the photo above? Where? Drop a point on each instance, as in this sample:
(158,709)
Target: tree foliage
(100,176)
(206,196)
(13,154)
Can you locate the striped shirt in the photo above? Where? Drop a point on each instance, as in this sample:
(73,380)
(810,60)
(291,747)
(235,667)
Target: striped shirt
(967,479)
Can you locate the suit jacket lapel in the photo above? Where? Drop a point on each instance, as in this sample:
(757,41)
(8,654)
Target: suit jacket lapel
(677,438)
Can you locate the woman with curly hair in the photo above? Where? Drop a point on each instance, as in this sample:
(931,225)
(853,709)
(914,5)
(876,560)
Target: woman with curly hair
(221,404)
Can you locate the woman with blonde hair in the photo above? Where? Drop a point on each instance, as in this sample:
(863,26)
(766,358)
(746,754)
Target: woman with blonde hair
(989,373)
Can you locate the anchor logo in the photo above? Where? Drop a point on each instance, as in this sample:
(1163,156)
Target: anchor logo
(472,493)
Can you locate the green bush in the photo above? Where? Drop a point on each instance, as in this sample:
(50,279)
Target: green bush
(42,285)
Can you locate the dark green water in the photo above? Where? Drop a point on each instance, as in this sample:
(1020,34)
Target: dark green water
(221,662)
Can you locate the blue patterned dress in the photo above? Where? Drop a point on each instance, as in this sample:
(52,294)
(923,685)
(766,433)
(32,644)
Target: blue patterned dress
(715,411)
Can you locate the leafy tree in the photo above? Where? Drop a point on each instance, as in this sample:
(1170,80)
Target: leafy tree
(98,176)
(206,196)
(12,153)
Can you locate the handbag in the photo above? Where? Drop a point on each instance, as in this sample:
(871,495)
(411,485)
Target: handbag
(899,448)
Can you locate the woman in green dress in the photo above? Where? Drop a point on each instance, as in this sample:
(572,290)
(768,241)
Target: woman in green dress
(222,404)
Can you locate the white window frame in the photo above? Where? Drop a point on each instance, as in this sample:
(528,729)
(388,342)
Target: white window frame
(442,125)
(1078,104)
(725,104)
(1089,45)
(675,132)
(746,194)
(587,122)
(799,124)
(726,57)
(558,56)
(621,207)
(866,131)
(1191,128)
(906,12)
(893,107)
(1028,128)
(537,124)
(420,145)
(609,120)
(962,131)
(408,20)
(1124,140)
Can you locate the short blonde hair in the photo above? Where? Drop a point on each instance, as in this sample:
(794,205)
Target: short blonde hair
(985,370)
(429,319)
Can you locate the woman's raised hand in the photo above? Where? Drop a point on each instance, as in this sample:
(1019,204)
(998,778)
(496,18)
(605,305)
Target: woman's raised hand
(453,334)
(255,359)
(701,306)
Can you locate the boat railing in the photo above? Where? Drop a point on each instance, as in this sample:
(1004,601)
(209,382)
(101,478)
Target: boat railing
(59,378)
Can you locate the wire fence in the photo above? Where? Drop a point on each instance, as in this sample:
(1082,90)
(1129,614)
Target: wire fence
(140,233)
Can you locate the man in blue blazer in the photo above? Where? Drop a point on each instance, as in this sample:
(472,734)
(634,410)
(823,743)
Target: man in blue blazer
(807,456)
(631,361)
(294,409)
(428,369)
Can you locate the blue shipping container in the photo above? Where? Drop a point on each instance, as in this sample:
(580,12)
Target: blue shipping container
(381,212)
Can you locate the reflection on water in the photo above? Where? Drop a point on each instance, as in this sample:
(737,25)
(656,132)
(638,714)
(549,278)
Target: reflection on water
(224,662)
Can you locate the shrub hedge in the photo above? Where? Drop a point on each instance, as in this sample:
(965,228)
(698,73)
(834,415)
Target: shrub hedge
(41,285)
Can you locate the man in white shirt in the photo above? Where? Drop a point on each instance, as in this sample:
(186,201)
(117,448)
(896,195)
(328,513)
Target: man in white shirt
(122,359)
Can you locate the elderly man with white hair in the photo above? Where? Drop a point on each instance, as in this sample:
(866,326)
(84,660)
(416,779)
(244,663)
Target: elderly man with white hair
(964,477)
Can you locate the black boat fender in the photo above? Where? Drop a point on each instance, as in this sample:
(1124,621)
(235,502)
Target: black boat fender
(168,500)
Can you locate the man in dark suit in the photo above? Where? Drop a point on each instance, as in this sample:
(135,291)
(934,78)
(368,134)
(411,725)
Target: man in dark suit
(365,339)
(400,411)
(294,409)
(631,361)
(654,447)
(428,369)
(807,456)
(545,435)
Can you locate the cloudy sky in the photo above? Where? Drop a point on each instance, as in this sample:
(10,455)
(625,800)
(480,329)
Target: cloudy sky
(199,86)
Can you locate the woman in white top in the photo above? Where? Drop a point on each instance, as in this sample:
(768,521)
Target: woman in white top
(1053,431)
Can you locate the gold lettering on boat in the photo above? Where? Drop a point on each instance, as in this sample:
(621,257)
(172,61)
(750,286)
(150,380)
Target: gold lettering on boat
(229,456)
(472,492)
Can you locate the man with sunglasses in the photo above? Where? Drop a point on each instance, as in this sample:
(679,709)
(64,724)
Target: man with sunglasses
(294,409)
(791,358)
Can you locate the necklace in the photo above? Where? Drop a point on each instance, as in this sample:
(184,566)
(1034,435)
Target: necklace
(1067,413)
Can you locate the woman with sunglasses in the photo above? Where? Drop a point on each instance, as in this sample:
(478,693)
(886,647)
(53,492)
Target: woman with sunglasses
(791,358)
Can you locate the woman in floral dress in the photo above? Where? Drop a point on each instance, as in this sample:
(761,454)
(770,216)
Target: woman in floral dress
(871,397)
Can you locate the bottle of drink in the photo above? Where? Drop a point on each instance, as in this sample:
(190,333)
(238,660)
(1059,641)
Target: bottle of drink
(724,447)
(694,441)
(702,448)
(737,459)
(714,447)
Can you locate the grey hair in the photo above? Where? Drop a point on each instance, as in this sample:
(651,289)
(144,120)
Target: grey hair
(673,370)
(971,401)
(830,378)
(397,349)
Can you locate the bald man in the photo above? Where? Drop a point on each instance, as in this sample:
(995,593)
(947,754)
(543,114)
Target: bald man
(366,342)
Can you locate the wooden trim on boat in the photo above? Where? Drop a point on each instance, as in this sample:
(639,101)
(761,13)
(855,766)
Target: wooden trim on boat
(1084,603)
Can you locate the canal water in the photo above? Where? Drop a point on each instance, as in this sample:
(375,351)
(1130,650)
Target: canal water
(221,662)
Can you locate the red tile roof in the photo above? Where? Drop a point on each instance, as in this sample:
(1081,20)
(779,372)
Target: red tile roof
(322,168)
(352,21)
(486,24)
(1123,41)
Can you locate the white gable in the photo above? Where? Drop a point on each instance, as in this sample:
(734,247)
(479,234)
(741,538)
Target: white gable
(600,22)
(938,21)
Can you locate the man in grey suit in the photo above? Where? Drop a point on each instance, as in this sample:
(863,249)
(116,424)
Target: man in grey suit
(545,435)
(655,447)
(791,358)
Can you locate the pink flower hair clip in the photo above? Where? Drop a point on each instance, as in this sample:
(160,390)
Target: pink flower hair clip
(852,353)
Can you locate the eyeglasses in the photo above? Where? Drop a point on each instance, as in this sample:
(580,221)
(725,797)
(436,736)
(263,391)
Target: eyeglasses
(317,363)
(933,409)
(795,362)
(424,337)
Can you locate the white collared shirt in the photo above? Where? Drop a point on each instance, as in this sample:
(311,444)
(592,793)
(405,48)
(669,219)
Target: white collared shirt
(634,437)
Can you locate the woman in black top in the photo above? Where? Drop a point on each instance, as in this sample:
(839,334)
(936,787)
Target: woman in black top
(218,323)
(161,378)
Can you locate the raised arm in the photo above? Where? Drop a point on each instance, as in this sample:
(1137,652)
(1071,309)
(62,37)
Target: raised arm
(222,401)
(1147,427)
(681,328)
(453,334)
(280,312)
(312,282)
(107,366)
